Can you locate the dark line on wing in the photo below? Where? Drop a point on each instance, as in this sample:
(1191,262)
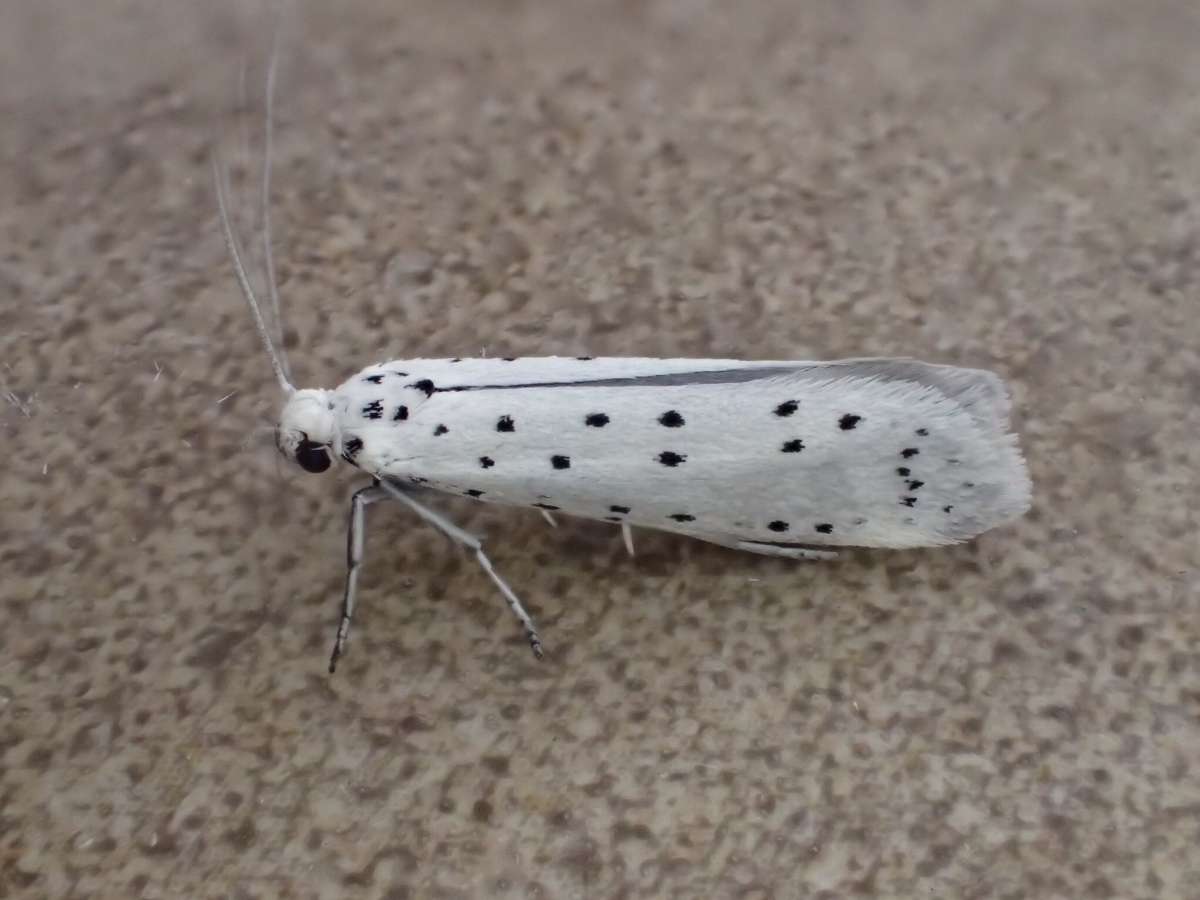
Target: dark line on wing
(718,376)
(792,545)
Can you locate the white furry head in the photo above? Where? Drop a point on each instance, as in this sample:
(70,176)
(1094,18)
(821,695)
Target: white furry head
(308,432)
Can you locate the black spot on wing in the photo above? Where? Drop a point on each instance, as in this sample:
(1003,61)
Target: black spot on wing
(914,484)
(908,501)
(778,525)
(472,492)
(671,458)
(849,422)
(546,506)
(584,358)
(787,408)
(486,461)
(440,430)
(373,410)
(682,517)
(793,446)
(401,413)
(374,379)
(506,424)
(826,528)
(922,432)
(671,419)
(560,462)
(904,471)
(424,385)
(596,420)
(619,509)
(909,452)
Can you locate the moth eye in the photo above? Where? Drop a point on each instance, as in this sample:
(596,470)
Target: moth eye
(312,457)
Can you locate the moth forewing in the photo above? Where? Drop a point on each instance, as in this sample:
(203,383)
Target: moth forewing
(877,453)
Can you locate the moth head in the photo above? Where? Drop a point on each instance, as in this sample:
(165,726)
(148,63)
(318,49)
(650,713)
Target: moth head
(307,430)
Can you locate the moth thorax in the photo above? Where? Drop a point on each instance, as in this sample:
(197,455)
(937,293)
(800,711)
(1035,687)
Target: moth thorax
(308,429)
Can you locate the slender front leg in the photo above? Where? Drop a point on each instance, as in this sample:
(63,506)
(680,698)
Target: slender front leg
(355,538)
(470,541)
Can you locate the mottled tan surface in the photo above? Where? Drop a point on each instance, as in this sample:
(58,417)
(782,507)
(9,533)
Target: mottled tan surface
(1011,185)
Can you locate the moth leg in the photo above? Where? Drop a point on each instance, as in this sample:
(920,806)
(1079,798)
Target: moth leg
(788,552)
(354,553)
(549,518)
(470,541)
(627,536)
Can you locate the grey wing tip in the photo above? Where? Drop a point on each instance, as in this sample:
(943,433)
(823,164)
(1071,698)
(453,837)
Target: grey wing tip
(1006,497)
(985,396)
(1005,490)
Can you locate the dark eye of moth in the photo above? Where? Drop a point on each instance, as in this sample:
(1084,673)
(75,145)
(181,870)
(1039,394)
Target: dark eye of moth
(312,457)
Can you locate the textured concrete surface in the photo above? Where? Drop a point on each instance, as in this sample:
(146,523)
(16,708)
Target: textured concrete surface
(1010,185)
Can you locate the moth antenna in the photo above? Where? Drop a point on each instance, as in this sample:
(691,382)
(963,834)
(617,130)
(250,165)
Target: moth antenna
(268,133)
(235,254)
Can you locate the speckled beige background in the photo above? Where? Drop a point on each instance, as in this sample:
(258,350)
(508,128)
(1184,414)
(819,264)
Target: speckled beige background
(1010,185)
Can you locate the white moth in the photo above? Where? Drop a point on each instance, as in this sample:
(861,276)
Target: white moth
(775,457)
